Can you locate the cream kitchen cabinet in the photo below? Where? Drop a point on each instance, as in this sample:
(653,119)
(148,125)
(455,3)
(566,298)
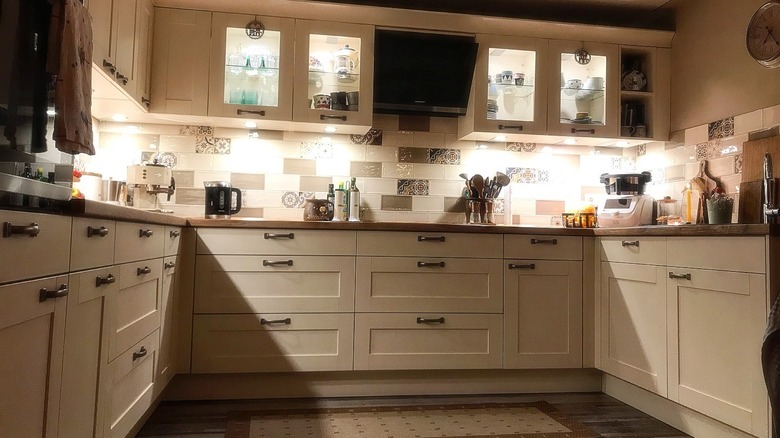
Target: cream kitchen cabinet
(717,310)
(543,302)
(423,301)
(632,310)
(333,57)
(135,241)
(583,97)
(645,92)
(31,338)
(92,243)
(122,44)
(166,365)
(516,104)
(42,241)
(180,66)
(273,300)
(251,76)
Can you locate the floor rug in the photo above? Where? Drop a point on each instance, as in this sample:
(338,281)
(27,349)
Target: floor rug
(494,420)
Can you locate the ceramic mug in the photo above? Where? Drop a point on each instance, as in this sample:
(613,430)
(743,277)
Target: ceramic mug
(507,77)
(575,84)
(321,101)
(626,131)
(595,83)
(519,78)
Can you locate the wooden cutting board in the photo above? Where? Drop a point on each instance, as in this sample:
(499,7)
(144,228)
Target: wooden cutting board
(749,210)
(753,158)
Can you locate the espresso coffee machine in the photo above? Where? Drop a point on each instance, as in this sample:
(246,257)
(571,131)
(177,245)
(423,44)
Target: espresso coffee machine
(145,182)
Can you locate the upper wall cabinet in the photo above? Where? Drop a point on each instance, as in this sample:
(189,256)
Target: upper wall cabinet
(122,44)
(644,92)
(583,98)
(251,69)
(181,63)
(334,66)
(509,93)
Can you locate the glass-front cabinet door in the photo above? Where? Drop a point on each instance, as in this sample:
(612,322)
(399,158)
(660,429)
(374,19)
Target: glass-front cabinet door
(509,91)
(334,66)
(251,67)
(584,100)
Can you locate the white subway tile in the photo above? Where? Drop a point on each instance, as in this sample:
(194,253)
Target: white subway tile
(177,143)
(397,170)
(746,123)
(281,182)
(262,198)
(446,188)
(428,203)
(283,214)
(696,135)
(381,153)
(771,116)
(201,176)
(186,161)
(384,186)
(428,139)
(428,171)
(396,138)
(447,125)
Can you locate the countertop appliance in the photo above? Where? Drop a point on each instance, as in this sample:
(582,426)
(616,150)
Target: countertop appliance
(145,182)
(626,204)
(219,200)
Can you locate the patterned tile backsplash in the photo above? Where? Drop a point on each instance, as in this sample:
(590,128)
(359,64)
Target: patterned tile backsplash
(414,175)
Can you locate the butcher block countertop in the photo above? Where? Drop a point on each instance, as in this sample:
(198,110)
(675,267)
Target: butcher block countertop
(104,210)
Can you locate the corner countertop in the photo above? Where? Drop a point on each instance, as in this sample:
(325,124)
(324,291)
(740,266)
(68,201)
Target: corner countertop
(104,210)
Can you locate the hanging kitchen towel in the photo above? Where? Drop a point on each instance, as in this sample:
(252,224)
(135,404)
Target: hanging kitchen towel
(71,60)
(770,362)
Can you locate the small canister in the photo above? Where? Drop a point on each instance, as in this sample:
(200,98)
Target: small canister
(317,210)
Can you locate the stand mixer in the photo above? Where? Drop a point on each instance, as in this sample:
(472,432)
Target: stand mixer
(145,182)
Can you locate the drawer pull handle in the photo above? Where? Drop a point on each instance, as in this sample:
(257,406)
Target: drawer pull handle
(544,241)
(241,112)
(327,117)
(585,131)
(430,264)
(141,271)
(109,66)
(421,320)
(286,321)
(109,279)
(431,238)
(680,276)
(277,262)
(169,265)
(290,236)
(175,234)
(100,232)
(10,229)
(139,354)
(45,294)
(630,243)
(518,127)
(145,233)
(528,266)
(122,78)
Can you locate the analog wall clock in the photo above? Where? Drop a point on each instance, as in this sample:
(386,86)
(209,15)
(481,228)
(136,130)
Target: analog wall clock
(763,35)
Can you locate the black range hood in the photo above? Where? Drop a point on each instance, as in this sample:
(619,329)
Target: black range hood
(422,73)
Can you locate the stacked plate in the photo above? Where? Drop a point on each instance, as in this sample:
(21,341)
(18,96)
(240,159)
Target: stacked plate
(492,109)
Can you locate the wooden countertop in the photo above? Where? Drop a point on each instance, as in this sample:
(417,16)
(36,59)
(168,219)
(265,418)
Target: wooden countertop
(104,210)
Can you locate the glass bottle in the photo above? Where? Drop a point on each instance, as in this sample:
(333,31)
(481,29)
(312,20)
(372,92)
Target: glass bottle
(27,171)
(354,202)
(340,203)
(331,202)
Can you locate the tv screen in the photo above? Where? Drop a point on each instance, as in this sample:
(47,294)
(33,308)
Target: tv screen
(422,73)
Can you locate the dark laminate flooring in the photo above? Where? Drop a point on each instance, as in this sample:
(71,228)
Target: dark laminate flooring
(602,413)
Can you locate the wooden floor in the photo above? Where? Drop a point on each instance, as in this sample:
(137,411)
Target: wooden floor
(602,413)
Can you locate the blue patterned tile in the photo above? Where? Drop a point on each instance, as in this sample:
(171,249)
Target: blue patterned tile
(443,156)
(413,187)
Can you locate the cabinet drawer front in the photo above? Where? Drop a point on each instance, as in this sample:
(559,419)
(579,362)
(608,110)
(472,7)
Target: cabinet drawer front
(47,253)
(92,243)
(134,242)
(406,284)
(391,243)
(643,250)
(131,388)
(275,242)
(88,285)
(172,239)
(259,284)
(134,310)
(449,341)
(741,254)
(272,343)
(543,247)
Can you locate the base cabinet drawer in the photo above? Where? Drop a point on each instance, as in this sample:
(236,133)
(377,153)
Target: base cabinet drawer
(542,247)
(92,243)
(395,243)
(402,341)
(41,241)
(642,250)
(272,342)
(138,242)
(275,242)
(130,389)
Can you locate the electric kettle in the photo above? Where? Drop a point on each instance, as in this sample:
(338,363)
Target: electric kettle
(219,199)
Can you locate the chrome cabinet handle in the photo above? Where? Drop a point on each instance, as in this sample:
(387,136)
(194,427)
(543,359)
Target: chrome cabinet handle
(528,266)
(174,234)
(544,241)
(286,321)
(139,354)
(145,233)
(430,264)
(290,236)
(431,238)
(101,232)
(169,265)
(328,117)
(421,320)
(45,294)
(109,279)
(277,262)
(518,127)
(686,276)
(630,243)
(10,229)
(141,271)
(241,112)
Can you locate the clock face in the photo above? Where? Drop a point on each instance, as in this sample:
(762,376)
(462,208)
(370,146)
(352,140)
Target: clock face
(763,35)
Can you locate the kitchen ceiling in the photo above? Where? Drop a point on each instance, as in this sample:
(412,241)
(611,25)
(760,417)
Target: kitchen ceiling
(652,14)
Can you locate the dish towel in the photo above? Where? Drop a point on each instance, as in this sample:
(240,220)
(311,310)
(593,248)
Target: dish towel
(770,362)
(70,44)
